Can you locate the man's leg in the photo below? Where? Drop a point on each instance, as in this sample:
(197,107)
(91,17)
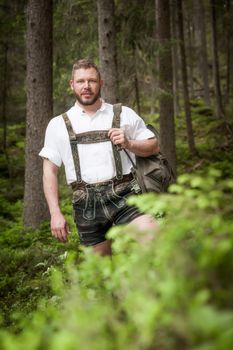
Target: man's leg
(146,224)
(103,248)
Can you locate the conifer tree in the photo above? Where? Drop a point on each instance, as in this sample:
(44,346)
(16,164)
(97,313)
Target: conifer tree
(39,105)
(107,49)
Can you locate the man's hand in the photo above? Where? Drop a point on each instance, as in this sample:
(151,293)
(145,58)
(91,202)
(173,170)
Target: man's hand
(118,137)
(142,148)
(59,226)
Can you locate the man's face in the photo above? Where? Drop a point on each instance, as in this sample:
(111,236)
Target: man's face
(86,85)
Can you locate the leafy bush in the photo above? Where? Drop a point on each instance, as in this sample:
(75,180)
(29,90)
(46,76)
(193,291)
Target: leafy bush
(171,293)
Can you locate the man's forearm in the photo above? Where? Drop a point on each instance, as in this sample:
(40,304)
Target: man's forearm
(59,227)
(143,148)
(50,183)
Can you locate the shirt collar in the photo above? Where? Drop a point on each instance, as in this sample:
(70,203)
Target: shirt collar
(103,105)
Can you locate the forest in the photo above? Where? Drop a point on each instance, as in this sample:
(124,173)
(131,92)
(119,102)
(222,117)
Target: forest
(172,62)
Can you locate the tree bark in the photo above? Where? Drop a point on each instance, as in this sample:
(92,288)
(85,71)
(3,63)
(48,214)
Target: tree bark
(219,111)
(188,118)
(4,106)
(4,97)
(190,50)
(167,125)
(229,91)
(136,84)
(107,49)
(175,59)
(39,105)
(201,47)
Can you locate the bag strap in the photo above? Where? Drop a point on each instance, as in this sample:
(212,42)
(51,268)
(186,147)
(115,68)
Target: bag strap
(117,108)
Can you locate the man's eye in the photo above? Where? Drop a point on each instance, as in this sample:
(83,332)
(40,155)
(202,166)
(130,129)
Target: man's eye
(82,82)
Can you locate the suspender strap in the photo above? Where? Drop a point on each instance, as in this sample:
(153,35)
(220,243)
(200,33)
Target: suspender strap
(70,130)
(94,137)
(117,115)
(74,147)
(115,149)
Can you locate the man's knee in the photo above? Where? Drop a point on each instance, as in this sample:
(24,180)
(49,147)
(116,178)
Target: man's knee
(147,225)
(145,222)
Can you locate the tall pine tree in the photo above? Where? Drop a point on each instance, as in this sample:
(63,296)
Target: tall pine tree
(107,49)
(167,125)
(39,105)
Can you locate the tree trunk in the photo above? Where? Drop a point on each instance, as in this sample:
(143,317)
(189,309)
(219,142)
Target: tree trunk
(219,111)
(39,105)
(187,24)
(5,80)
(201,47)
(189,127)
(156,60)
(175,60)
(4,110)
(107,49)
(229,91)
(190,50)
(136,85)
(167,125)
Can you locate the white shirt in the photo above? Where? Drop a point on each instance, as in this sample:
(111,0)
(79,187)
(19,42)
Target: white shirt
(96,160)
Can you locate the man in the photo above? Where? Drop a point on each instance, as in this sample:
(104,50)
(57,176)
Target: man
(100,192)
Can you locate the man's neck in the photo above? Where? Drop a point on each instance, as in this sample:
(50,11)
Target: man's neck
(91,109)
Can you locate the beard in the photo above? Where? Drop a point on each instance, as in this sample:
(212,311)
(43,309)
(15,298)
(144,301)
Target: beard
(94,97)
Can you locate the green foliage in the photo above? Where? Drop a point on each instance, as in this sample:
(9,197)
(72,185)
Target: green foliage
(12,166)
(12,60)
(213,139)
(26,260)
(199,108)
(171,293)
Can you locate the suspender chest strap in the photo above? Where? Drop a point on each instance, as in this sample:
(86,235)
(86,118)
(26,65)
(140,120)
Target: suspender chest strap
(117,115)
(74,147)
(116,153)
(95,136)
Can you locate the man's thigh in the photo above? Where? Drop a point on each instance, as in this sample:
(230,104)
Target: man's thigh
(145,227)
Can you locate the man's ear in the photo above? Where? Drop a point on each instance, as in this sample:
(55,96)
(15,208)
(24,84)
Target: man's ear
(101,82)
(72,84)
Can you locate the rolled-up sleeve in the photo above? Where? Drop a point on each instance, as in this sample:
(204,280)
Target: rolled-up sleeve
(135,126)
(51,149)
(141,132)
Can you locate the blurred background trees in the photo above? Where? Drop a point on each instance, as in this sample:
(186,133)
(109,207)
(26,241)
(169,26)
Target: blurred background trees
(75,35)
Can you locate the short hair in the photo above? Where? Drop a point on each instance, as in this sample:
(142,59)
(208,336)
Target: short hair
(85,63)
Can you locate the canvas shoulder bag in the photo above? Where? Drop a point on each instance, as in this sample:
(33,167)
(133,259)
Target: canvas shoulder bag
(153,173)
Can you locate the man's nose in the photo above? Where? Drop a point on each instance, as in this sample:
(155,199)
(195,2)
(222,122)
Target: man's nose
(86,84)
